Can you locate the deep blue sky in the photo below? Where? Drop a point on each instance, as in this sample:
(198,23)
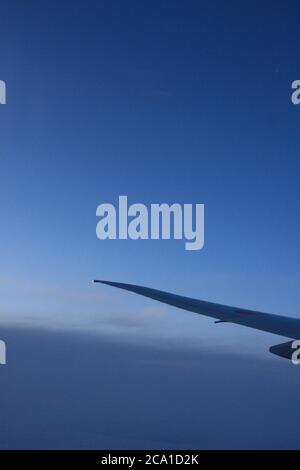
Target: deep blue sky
(164,101)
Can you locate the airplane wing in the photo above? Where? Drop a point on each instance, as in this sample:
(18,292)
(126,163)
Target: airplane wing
(277,324)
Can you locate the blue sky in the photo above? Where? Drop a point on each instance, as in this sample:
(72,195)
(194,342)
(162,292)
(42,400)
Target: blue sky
(163,101)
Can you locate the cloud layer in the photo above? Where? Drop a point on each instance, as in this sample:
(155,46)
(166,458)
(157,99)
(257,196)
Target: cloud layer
(83,390)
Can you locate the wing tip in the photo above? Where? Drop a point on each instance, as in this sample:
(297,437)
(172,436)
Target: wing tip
(101,281)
